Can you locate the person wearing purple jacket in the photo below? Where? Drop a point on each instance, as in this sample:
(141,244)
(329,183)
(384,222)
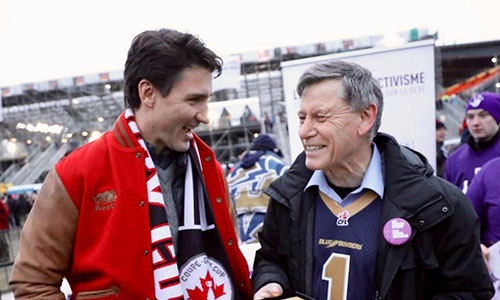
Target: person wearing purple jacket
(482,117)
(484,193)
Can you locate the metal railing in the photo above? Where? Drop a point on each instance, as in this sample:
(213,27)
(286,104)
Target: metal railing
(32,165)
(9,246)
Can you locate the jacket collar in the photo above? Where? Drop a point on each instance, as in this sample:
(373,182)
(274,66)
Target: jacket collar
(405,175)
(482,145)
(123,134)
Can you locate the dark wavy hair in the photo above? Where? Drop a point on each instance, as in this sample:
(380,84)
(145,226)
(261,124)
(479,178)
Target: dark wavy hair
(160,56)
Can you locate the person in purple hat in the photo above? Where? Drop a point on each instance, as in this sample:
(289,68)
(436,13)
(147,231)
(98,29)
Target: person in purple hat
(482,117)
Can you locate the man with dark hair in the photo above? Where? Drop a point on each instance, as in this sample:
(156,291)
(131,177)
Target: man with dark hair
(483,144)
(357,216)
(143,212)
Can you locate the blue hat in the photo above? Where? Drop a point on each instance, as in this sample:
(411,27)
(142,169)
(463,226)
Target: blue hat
(261,145)
(266,142)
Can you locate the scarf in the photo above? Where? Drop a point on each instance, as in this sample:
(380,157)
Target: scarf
(204,267)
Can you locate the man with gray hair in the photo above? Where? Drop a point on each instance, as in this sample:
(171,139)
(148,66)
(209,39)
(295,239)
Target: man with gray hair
(357,216)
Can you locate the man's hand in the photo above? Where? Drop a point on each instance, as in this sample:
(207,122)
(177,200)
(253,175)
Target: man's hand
(270,290)
(486,255)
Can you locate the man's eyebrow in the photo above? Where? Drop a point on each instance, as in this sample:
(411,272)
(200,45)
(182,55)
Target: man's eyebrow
(322,111)
(317,111)
(199,95)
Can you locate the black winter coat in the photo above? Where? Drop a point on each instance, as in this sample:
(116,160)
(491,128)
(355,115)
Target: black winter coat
(442,259)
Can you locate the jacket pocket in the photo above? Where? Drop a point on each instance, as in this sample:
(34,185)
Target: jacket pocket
(111,293)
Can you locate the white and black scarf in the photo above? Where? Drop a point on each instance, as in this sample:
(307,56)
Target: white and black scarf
(200,268)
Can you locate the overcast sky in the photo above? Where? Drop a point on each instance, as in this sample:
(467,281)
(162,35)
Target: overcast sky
(51,39)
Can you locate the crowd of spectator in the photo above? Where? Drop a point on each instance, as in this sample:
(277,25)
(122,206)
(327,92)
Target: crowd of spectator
(474,166)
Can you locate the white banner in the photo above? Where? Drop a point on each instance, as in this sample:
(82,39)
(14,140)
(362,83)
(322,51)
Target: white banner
(230,76)
(1,108)
(238,112)
(406,76)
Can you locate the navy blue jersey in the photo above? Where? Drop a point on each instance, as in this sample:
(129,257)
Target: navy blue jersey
(345,248)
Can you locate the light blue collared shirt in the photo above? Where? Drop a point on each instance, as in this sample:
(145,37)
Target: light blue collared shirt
(373,180)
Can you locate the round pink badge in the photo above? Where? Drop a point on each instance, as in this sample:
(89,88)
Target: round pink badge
(397,231)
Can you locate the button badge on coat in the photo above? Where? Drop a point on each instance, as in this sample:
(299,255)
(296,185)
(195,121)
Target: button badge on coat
(397,231)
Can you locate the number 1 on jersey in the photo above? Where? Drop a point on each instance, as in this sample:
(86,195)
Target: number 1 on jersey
(336,272)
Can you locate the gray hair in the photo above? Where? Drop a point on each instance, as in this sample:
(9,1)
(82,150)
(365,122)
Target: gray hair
(360,88)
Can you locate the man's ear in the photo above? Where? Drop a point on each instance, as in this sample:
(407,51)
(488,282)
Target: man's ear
(146,91)
(368,117)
